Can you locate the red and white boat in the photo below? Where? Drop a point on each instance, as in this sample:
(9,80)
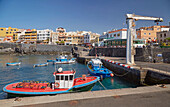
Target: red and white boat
(64,83)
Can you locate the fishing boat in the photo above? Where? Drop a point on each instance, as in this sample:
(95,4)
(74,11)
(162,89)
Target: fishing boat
(13,64)
(64,60)
(65,82)
(39,65)
(96,68)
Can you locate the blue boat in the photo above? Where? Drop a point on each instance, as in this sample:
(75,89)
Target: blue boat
(96,68)
(64,60)
(39,65)
(13,64)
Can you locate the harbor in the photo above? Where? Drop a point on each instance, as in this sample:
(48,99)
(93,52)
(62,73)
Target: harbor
(91,53)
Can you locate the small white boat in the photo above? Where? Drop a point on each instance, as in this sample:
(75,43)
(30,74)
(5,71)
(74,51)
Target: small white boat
(13,64)
(39,65)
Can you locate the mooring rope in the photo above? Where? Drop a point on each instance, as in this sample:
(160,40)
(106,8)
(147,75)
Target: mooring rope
(121,75)
(102,85)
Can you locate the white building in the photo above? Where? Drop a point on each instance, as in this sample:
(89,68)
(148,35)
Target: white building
(44,35)
(90,37)
(117,34)
(54,37)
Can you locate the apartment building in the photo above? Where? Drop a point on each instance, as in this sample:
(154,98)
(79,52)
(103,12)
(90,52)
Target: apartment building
(44,36)
(90,38)
(150,33)
(61,34)
(30,36)
(6,34)
(74,38)
(54,38)
(163,37)
(117,34)
(16,35)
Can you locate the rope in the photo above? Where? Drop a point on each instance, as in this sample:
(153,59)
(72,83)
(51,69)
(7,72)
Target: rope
(102,85)
(121,75)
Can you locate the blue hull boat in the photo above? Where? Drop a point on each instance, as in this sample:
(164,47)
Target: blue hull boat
(13,64)
(39,65)
(96,68)
(64,60)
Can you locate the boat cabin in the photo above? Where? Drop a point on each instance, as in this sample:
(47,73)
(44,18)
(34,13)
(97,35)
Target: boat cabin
(64,79)
(62,58)
(96,64)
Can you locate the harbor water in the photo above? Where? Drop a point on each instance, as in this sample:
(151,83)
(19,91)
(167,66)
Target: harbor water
(10,74)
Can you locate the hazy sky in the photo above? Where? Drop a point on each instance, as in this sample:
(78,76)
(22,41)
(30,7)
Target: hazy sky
(89,15)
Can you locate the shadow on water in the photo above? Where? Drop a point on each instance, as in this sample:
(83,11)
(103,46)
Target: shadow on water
(25,71)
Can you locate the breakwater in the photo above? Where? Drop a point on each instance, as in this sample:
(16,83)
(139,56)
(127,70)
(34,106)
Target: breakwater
(34,49)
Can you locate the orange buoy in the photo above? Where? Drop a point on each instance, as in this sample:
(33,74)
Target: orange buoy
(111,74)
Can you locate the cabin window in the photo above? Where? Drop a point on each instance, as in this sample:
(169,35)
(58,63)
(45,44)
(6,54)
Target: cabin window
(57,77)
(56,59)
(71,77)
(66,78)
(62,77)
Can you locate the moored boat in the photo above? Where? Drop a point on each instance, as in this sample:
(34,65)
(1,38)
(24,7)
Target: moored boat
(13,64)
(96,68)
(39,65)
(64,60)
(65,82)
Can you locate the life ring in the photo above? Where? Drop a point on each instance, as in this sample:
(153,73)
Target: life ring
(57,84)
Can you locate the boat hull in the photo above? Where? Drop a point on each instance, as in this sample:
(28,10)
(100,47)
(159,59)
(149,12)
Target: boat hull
(97,73)
(13,92)
(40,65)
(13,64)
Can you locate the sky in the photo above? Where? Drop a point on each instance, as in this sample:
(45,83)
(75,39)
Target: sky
(80,15)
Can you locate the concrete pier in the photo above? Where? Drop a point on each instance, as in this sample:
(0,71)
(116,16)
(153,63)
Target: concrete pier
(130,97)
(140,74)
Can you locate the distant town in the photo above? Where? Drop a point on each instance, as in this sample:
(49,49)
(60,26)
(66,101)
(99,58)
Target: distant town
(156,35)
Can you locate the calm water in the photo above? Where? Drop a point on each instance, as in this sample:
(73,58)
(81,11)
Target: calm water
(25,71)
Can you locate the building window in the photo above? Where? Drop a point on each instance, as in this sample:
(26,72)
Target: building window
(149,33)
(118,34)
(11,29)
(10,32)
(14,29)
(114,35)
(6,32)
(1,29)
(160,35)
(144,33)
(164,35)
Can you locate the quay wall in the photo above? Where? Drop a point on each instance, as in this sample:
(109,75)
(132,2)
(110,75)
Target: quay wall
(141,54)
(153,78)
(137,76)
(131,75)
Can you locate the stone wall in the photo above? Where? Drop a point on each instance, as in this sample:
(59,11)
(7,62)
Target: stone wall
(37,49)
(142,54)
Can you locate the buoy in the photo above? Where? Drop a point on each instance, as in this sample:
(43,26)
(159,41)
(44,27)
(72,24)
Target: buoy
(111,74)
